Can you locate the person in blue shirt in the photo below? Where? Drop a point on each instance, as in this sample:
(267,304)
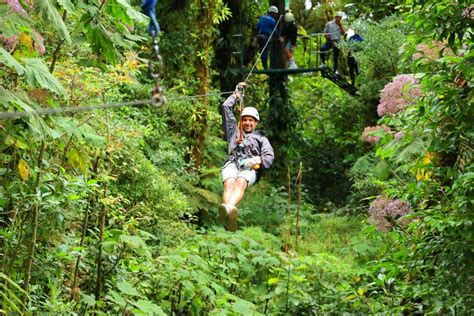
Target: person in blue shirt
(265,26)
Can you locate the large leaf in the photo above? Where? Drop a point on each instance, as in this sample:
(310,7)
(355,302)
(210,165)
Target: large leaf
(12,23)
(37,73)
(148,308)
(101,41)
(415,148)
(132,13)
(8,60)
(127,288)
(50,12)
(382,170)
(66,5)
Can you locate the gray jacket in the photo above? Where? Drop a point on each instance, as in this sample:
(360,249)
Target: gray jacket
(334,31)
(255,143)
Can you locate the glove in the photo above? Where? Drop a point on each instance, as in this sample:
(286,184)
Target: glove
(249,163)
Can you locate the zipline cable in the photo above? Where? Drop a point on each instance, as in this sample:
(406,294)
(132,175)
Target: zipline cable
(77,109)
(153,100)
(264,47)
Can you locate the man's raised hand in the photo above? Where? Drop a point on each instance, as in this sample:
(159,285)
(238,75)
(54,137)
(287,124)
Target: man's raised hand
(239,89)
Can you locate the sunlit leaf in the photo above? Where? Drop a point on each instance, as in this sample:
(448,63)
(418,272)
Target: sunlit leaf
(127,288)
(8,60)
(23,169)
(148,308)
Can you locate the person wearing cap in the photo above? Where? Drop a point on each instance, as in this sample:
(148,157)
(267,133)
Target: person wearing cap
(266,25)
(333,31)
(240,168)
(290,33)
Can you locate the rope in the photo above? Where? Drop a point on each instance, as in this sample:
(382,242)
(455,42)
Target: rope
(77,109)
(264,47)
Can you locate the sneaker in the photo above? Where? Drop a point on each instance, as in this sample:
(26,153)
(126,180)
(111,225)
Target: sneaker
(232,219)
(323,65)
(337,73)
(223,212)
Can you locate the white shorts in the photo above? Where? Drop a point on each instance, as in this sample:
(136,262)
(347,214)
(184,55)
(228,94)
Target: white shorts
(230,171)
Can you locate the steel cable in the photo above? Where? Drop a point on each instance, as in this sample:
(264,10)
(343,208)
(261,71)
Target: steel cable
(77,109)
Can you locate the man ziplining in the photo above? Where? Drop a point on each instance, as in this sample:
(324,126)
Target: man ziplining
(248,150)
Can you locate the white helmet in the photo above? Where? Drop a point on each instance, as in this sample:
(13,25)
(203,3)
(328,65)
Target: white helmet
(340,14)
(272,9)
(289,17)
(251,111)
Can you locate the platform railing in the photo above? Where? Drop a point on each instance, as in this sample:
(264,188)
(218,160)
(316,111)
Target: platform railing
(307,45)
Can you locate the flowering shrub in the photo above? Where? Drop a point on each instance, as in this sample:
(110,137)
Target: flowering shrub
(431,52)
(398,94)
(368,133)
(9,43)
(469,13)
(15,5)
(398,135)
(385,213)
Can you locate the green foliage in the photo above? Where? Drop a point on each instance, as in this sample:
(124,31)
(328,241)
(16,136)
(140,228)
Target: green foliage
(51,14)
(9,297)
(428,165)
(344,237)
(37,74)
(109,199)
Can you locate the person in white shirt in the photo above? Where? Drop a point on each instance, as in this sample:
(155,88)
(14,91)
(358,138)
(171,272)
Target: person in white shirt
(333,31)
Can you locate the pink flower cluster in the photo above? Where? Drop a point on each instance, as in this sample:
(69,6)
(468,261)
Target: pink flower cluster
(398,94)
(385,213)
(367,134)
(398,135)
(15,5)
(9,43)
(469,12)
(432,51)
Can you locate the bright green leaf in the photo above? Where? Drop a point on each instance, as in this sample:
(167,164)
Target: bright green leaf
(37,74)
(8,60)
(127,288)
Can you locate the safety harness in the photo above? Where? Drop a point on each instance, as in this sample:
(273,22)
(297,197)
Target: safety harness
(239,152)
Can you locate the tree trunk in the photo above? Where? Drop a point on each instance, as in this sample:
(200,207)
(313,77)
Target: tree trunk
(204,22)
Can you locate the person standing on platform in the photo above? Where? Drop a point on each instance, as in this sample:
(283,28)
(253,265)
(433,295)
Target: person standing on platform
(290,34)
(265,26)
(333,31)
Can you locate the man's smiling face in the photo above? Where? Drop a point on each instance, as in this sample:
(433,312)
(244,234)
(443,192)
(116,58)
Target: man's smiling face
(249,124)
